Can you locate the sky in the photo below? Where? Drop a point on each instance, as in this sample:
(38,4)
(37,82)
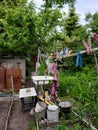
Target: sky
(85,6)
(82,7)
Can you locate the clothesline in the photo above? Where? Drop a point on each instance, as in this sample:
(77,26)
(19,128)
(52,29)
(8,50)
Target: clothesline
(82,52)
(73,54)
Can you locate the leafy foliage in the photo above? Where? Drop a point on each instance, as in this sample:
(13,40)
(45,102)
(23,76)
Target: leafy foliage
(60,3)
(17,29)
(71,21)
(92,21)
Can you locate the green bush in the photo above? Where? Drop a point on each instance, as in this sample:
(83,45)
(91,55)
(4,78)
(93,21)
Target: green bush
(82,88)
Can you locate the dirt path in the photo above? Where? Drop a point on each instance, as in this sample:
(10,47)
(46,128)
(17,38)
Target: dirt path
(4,105)
(19,120)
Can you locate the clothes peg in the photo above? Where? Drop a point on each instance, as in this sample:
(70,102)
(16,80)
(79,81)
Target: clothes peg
(95,38)
(87,45)
(79,59)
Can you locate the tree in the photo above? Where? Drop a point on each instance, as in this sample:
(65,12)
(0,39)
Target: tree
(72,21)
(23,30)
(47,21)
(59,3)
(92,21)
(18,36)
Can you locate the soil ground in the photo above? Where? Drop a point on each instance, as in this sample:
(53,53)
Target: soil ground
(4,105)
(18,120)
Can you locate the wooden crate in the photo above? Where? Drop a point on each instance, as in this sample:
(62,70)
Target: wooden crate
(16,76)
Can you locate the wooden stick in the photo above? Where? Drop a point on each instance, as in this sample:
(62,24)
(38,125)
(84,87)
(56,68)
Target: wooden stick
(82,52)
(95,57)
(9,112)
(85,121)
(47,102)
(12,85)
(75,54)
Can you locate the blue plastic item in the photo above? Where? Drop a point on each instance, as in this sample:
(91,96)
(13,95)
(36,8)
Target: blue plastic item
(79,59)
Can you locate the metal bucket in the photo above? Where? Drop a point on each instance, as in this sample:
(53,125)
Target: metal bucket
(53,113)
(65,108)
(40,106)
(40,110)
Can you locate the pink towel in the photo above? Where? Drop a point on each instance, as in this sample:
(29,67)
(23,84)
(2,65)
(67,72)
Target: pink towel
(55,81)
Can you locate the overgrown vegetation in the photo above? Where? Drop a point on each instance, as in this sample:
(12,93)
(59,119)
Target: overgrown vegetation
(79,87)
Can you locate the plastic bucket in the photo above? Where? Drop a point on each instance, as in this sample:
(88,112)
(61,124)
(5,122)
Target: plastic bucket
(53,113)
(65,108)
(40,106)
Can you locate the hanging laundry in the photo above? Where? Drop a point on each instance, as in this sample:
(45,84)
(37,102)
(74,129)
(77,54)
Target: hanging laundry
(63,52)
(55,79)
(87,45)
(49,64)
(68,52)
(95,37)
(79,59)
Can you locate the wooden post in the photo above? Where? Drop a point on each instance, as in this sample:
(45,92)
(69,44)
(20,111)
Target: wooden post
(12,85)
(96,67)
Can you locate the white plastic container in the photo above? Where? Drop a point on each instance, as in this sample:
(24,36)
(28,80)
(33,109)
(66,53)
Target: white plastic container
(53,113)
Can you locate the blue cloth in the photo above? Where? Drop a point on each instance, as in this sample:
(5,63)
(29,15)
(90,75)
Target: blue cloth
(79,59)
(64,51)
